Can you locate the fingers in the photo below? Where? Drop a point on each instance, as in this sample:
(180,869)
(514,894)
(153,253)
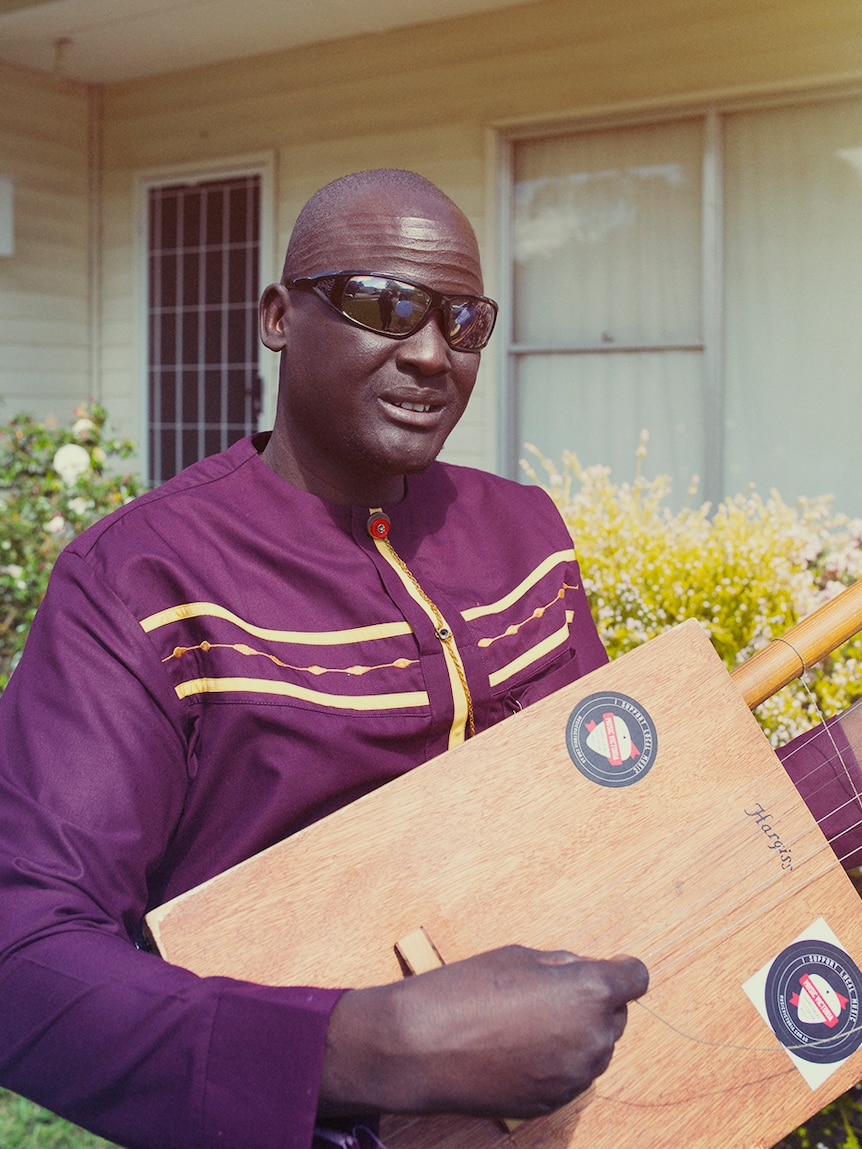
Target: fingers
(634,975)
(557,957)
(602,989)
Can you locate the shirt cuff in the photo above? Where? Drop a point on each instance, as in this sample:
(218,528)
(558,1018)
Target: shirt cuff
(264,1065)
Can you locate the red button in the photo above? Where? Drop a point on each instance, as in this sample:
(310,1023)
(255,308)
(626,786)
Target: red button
(379,525)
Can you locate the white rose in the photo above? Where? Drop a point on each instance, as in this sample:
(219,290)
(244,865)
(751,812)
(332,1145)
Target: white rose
(70,461)
(56,525)
(13,570)
(82,427)
(80,506)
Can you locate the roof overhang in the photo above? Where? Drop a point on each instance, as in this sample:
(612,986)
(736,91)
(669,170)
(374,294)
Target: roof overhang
(101,41)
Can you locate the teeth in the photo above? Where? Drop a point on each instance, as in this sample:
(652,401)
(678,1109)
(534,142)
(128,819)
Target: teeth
(415,406)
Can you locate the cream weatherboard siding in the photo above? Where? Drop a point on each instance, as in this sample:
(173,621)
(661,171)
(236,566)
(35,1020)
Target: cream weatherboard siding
(430,98)
(45,328)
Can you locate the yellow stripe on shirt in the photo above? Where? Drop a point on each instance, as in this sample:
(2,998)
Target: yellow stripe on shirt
(301,637)
(521,589)
(402,701)
(461,700)
(558,638)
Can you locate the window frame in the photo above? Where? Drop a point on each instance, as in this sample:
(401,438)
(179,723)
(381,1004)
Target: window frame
(712,113)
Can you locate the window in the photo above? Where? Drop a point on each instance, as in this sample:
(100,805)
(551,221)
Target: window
(701,279)
(204,282)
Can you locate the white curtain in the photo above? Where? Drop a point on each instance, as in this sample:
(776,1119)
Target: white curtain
(607,241)
(793,301)
(607,255)
(598,405)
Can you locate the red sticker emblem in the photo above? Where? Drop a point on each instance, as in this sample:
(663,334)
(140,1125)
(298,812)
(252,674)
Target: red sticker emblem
(611,739)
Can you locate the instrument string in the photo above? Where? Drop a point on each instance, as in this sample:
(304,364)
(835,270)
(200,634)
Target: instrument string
(734,881)
(825,766)
(820,849)
(714,907)
(724,908)
(663,957)
(738,921)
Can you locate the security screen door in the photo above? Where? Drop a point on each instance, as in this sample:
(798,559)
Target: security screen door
(204,388)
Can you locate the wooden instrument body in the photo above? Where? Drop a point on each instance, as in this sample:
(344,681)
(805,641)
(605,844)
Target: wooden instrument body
(504,840)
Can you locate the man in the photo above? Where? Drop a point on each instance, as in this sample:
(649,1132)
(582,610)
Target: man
(273,633)
(268,636)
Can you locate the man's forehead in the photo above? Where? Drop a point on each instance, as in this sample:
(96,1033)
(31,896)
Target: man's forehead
(365,228)
(369,240)
(409,228)
(405,233)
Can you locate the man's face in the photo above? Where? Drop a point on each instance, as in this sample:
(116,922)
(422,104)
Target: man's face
(361,410)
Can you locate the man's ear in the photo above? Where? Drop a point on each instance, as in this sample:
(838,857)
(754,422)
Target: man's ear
(274,303)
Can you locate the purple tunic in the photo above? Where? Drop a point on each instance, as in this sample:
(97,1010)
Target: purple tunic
(214,666)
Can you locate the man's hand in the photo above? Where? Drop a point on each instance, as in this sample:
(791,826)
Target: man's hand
(510,1033)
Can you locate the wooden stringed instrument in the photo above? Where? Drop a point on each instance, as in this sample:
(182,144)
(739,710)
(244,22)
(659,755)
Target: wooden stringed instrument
(640,810)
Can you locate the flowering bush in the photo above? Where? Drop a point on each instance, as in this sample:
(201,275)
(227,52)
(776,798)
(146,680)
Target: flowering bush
(54,482)
(747,570)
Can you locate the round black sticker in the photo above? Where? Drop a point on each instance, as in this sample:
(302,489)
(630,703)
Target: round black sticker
(812,1001)
(611,739)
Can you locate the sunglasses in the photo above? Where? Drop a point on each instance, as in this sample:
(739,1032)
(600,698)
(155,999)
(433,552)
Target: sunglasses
(397,307)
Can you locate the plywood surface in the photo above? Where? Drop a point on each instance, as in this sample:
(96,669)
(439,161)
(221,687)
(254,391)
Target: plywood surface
(505,840)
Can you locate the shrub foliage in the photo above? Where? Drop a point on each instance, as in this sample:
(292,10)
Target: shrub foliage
(54,482)
(748,570)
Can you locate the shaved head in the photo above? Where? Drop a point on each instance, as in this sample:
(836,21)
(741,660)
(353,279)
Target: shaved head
(359,409)
(410,193)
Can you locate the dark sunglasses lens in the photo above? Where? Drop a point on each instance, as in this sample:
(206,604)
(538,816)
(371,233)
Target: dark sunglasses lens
(471,322)
(384,305)
(394,307)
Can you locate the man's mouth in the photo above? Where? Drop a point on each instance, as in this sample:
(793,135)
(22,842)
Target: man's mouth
(420,412)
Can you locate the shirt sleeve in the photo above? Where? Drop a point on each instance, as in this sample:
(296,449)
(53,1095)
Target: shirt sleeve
(93,777)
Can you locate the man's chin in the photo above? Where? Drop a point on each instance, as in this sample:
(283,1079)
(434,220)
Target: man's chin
(406,461)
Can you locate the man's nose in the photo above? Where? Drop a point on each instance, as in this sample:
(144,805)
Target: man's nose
(427,347)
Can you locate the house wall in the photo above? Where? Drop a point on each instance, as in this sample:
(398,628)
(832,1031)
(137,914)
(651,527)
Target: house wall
(429,98)
(426,98)
(45,328)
